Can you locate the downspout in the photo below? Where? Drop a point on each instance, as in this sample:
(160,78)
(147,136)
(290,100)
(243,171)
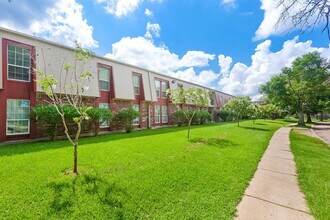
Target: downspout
(149,111)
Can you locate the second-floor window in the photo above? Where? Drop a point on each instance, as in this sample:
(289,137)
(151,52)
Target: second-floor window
(136,84)
(164,88)
(104,75)
(157,84)
(19,63)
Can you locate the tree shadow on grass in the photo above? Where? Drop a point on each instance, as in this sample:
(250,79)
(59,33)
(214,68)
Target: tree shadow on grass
(68,196)
(212,142)
(254,128)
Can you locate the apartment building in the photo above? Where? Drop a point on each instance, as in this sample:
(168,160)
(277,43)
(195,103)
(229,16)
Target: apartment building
(113,85)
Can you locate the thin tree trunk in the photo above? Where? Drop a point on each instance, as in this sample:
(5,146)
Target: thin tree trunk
(301,121)
(75,149)
(321,116)
(237,120)
(309,119)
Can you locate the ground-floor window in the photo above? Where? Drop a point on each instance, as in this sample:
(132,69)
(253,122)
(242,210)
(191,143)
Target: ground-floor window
(18,117)
(104,123)
(137,119)
(157,114)
(164,114)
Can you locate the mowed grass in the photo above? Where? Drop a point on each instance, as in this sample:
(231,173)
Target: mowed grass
(312,157)
(149,174)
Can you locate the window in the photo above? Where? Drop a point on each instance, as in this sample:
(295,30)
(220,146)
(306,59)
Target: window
(19,63)
(104,123)
(104,75)
(18,116)
(157,114)
(137,119)
(164,88)
(157,83)
(164,114)
(136,84)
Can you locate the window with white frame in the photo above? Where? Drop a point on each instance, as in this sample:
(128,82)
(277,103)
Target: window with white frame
(164,114)
(157,114)
(104,76)
(157,84)
(136,84)
(19,63)
(104,123)
(137,119)
(164,88)
(18,117)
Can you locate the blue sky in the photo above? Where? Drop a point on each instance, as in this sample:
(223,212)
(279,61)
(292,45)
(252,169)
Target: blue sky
(230,45)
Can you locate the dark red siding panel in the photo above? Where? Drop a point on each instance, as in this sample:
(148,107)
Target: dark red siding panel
(16,90)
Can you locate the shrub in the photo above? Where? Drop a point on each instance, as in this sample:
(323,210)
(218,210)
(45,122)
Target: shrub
(127,116)
(205,116)
(48,115)
(225,115)
(180,117)
(97,114)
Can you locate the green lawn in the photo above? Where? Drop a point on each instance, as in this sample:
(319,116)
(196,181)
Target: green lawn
(312,158)
(150,174)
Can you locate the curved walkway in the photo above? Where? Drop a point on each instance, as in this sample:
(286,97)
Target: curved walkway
(273,192)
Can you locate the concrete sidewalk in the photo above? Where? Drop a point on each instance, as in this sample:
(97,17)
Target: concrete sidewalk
(273,192)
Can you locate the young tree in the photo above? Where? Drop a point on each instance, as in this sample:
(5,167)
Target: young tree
(254,111)
(71,94)
(190,98)
(297,88)
(239,106)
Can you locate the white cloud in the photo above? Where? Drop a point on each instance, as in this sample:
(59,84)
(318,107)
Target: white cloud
(121,8)
(196,58)
(272,12)
(152,30)
(142,51)
(205,77)
(229,3)
(148,13)
(245,80)
(224,63)
(61,21)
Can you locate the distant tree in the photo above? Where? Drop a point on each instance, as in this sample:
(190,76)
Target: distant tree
(190,98)
(298,88)
(239,106)
(305,14)
(268,111)
(71,94)
(254,111)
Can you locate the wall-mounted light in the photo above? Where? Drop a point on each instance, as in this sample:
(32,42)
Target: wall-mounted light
(173,81)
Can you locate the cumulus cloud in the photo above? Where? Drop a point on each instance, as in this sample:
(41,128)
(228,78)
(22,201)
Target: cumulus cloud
(224,63)
(152,30)
(121,8)
(245,80)
(196,58)
(141,51)
(272,12)
(61,21)
(148,13)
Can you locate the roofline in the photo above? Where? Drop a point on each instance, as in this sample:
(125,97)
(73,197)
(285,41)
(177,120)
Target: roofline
(105,58)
